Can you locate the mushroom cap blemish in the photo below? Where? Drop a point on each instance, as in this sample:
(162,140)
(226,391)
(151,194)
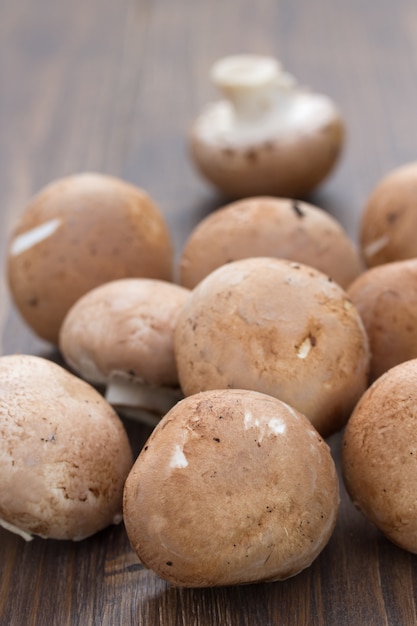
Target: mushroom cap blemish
(184,511)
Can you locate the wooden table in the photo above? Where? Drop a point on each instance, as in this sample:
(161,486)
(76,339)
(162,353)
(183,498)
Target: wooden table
(112,86)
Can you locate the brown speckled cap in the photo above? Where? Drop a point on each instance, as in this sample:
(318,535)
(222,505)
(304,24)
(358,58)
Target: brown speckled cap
(124,326)
(380,455)
(64,453)
(277,327)
(267,226)
(121,334)
(232,487)
(389,219)
(77,233)
(386,298)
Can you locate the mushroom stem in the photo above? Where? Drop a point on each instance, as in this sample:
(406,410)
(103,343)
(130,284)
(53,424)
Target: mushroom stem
(140,401)
(255,85)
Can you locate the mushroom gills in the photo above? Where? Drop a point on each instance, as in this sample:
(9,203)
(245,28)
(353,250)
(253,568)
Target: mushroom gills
(138,400)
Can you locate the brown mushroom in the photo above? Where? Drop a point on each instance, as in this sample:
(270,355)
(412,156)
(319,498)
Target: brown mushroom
(389,219)
(121,335)
(232,487)
(76,234)
(64,453)
(267,226)
(386,299)
(278,327)
(379,455)
(267,136)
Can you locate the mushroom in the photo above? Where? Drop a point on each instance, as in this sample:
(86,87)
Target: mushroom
(379,455)
(267,226)
(76,234)
(386,299)
(389,220)
(120,334)
(64,453)
(267,136)
(277,327)
(185,512)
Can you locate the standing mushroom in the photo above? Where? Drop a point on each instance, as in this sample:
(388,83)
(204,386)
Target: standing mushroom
(267,136)
(64,453)
(121,334)
(277,327)
(267,226)
(76,234)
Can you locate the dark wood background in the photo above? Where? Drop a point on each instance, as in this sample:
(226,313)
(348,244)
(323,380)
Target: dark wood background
(112,86)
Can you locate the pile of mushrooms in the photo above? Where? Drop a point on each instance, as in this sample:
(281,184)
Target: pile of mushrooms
(267,343)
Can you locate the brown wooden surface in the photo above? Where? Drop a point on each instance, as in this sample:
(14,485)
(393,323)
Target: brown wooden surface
(112,86)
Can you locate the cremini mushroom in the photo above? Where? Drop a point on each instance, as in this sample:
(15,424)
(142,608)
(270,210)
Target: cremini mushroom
(379,455)
(389,220)
(386,299)
(232,487)
(77,233)
(120,335)
(268,226)
(267,136)
(278,327)
(64,453)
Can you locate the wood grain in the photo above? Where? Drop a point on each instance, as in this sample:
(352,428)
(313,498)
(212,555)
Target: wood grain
(113,86)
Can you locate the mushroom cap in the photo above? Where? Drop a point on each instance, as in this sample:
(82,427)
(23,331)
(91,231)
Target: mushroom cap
(386,299)
(267,226)
(64,453)
(389,219)
(277,327)
(267,136)
(77,233)
(379,455)
(126,327)
(232,487)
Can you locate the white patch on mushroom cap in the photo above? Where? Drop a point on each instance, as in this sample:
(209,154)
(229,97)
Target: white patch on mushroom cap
(275,425)
(31,237)
(305,347)
(375,246)
(178,459)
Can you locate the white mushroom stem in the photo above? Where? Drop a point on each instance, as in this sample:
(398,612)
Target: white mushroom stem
(254,85)
(139,401)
